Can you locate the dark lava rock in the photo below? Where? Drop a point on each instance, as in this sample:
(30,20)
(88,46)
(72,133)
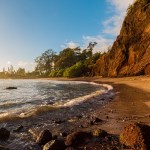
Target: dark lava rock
(97,120)
(3,148)
(44,137)
(59,121)
(99,133)
(4,134)
(18,129)
(77,138)
(11,88)
(55,145)
(136,136)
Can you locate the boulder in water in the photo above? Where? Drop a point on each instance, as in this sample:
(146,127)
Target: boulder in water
(11,88)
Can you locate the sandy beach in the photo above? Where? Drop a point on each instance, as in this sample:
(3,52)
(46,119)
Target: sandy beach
(130,104)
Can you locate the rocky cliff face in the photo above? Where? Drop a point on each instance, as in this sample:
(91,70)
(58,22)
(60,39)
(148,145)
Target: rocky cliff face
(130,53)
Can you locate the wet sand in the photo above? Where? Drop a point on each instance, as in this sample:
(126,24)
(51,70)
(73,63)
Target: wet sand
(130,104)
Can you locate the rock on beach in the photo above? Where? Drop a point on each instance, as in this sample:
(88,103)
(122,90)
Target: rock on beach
(77,137)
(136,136)
(44,137)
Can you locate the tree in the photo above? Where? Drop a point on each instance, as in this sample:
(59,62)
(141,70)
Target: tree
(67,58)
(45,62)
(11,70)
(21,72)
(90,49)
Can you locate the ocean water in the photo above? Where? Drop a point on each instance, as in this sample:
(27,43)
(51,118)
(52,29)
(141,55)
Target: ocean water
(33,95)
(37,104)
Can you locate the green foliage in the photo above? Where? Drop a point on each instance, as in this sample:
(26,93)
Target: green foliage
(21,72)
(44,63)
(74,71)
(66,58)
(95,57)
(53,73)
(60,73)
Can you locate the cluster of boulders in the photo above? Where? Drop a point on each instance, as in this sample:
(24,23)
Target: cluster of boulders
(134,136)
(69,141)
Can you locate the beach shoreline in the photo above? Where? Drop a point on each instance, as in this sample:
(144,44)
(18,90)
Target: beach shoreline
(131,102)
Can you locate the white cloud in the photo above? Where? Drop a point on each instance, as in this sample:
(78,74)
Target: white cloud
(113,24)
(102,43)
(29,66)
(120,5)
(70,44)
(9,63)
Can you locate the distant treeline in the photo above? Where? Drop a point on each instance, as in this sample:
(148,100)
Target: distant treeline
(70,62)
(19,73)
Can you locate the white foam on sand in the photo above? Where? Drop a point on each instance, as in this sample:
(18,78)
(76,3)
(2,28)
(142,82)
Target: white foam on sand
(76,101)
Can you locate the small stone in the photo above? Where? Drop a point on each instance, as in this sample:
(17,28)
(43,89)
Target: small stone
(55,145)
(44,137)
(4,134)
(58,121)
(97,120)
(18,129)
(91,123)
(79,116)
(99,133)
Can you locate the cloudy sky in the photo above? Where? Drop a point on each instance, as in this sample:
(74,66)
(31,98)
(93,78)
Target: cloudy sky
(29,27)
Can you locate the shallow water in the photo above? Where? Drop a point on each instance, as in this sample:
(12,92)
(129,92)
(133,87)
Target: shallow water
(31,95)
(39,104)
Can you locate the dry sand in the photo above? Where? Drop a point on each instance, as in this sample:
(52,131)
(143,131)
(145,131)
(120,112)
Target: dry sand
(131,102)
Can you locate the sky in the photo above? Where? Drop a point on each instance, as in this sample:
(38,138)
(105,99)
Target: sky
(29,27)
